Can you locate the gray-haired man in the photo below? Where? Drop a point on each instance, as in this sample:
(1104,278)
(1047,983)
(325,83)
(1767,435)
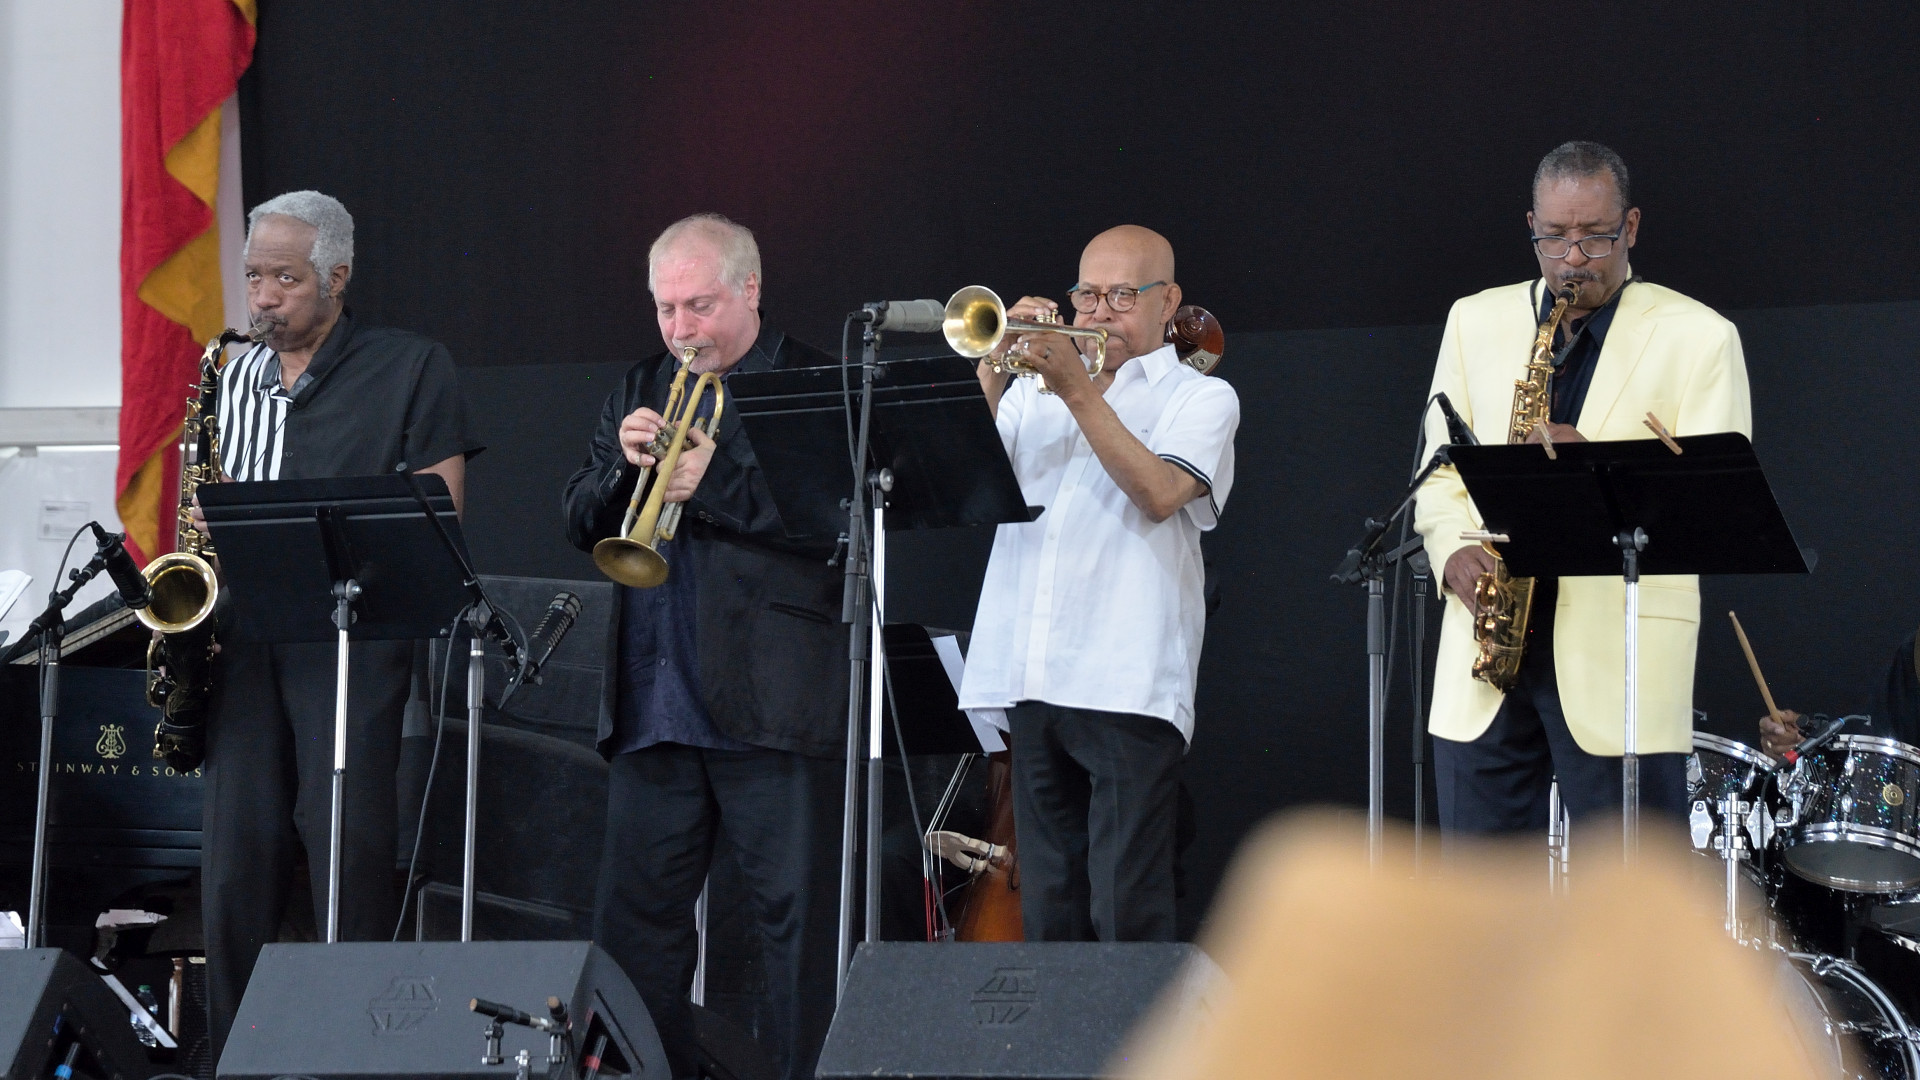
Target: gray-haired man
(726,703)
(323,396)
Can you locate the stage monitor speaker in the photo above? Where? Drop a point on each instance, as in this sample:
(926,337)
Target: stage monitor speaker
(48,998)
(373,1009)
(1030,1010)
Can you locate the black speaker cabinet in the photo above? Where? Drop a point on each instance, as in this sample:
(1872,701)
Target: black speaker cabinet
(1029,1010)
(374,1009)
(40,986)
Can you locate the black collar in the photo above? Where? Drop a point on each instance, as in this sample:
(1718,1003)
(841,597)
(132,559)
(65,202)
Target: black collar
(1593,327)
(327,356)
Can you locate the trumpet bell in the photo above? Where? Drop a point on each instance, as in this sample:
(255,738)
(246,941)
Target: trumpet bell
(184,590)
(630,562)
(976,321)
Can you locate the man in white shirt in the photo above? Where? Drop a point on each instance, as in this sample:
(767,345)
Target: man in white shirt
(1087,640)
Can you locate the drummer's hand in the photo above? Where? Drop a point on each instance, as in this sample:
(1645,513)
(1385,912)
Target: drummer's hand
(1464,568)
(1779,736)
(636,431)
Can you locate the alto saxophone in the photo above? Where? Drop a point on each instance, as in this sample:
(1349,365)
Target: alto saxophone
(184,585)
(1505,601)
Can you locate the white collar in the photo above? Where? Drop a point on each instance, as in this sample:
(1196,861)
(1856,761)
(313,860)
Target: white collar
(1153,366)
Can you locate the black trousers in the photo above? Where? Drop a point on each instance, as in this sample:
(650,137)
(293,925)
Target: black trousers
(1498,783)
(1095,805)
(269,791)
(781,812)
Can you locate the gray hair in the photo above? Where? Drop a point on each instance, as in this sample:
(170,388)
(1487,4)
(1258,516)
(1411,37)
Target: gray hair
(1579,159)
(739,255)
(333,229)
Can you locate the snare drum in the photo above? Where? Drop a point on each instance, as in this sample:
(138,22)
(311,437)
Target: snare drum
(1855,823)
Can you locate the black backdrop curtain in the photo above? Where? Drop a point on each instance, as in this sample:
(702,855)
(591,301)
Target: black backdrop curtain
(1331,176)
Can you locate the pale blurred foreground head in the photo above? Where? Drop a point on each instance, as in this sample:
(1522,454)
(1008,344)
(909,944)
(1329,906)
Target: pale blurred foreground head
(1336,971)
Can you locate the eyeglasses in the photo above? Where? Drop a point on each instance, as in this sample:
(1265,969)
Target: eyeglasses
(1598,246)
(1120,298)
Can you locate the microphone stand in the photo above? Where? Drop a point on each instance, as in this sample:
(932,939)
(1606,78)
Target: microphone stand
(1365,561)
(858,610)
(48,629)
(483,622)
(1422,576)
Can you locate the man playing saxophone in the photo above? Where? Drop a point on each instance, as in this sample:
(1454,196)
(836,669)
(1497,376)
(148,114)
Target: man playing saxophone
(1623,348)
(323,396)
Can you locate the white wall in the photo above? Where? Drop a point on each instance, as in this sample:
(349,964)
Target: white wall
(59,203)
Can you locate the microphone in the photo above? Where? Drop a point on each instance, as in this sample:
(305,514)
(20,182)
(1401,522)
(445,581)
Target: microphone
(510,1015)
(1819,738)
(126,576)
(907,316)
(1458,432)
(554,625)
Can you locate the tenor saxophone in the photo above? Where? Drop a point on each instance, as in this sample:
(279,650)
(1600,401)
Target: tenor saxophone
(183,583)
(1505,601)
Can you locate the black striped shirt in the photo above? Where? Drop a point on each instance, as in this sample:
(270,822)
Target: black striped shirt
(253,415)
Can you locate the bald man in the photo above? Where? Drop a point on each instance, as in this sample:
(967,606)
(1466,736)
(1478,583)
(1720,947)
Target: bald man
(1087,640)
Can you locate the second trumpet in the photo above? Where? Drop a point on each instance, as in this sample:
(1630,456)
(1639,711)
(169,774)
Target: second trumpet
(632,558)
(977,322)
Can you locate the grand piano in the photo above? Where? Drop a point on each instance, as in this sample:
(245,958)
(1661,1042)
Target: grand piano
(121,822)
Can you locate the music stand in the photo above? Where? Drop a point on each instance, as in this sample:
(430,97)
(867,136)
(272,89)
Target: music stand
(347,558)
(1633,507)
(924,705)
(925,455)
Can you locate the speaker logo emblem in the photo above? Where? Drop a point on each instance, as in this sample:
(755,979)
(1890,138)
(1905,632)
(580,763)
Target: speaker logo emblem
(1006,998)
(403,1006)
(111,745)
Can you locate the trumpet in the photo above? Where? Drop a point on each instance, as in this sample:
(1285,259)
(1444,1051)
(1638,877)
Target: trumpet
(977,322)
(631,558)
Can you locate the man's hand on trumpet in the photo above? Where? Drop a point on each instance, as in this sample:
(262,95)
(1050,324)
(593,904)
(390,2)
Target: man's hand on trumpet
(694,458)
(637,434)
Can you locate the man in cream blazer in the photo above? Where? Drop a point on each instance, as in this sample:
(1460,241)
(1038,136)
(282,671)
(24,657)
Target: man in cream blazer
(1625,348)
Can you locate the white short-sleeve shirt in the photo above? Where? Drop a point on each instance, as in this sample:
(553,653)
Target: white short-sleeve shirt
(1093,605)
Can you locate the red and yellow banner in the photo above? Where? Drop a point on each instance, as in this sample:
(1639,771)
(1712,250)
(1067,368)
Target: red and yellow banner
(179,60)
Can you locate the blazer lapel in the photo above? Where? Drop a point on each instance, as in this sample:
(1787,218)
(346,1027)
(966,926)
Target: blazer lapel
(1626,343)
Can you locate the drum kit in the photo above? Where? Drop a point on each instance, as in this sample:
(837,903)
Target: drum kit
(1828,845)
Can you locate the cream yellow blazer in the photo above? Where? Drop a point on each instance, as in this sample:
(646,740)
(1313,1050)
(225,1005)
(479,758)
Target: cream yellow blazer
(1664,354)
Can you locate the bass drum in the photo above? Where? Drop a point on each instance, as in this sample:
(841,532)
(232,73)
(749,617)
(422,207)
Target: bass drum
(1849,1027)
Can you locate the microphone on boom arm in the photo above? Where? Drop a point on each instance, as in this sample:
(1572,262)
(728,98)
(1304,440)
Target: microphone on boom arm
(905,316)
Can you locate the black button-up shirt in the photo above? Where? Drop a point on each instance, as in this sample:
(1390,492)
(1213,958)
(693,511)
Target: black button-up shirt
(371,399)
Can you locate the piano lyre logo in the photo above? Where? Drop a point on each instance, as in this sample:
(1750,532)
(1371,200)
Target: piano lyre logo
(111,745)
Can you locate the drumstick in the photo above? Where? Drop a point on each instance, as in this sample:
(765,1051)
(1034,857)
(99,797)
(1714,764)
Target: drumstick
(1765,694)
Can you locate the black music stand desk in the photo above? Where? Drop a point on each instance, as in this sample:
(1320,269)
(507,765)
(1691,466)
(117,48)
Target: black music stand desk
(348,558)
(935,461)
(1630,508)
